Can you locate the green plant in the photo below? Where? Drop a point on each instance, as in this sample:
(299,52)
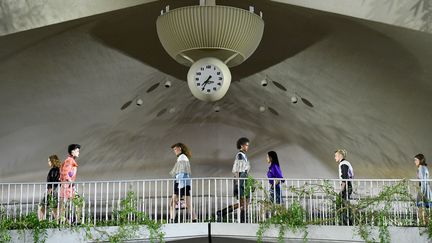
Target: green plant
(26,222)
(250,186)
(365,214)
(4,226)
(291,218)
(128,219)
(126,216)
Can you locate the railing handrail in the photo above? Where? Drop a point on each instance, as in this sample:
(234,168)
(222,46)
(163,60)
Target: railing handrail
(215,178)
(212,197)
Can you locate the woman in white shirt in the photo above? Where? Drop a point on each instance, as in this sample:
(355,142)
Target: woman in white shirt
(182,186)
(424,195)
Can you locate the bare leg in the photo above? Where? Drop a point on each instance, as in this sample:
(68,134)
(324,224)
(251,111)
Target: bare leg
(62,214)
(190,207)
(423,217)
(173,203)
(54,212)
(41,212)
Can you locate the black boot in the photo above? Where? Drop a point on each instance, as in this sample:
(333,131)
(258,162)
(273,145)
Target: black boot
(222,214)
(243,216)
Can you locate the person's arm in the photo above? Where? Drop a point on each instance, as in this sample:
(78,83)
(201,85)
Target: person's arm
(53,176)
(277,174)
(423,180)
(180,180)
(270,175)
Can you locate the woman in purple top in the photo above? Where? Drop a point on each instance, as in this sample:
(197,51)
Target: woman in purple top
(274,172)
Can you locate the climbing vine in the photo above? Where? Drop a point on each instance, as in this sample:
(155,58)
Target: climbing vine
(365,213)
(22,223)
(129,218)
(126,216)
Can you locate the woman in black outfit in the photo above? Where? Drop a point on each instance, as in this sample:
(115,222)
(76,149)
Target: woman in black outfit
(50,199)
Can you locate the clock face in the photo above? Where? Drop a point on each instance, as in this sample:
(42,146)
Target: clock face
(208,78)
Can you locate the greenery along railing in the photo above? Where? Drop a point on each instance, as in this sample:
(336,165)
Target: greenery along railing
(132,204)
(365,213)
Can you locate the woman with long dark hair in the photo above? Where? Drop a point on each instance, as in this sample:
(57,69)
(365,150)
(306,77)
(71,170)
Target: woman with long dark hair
(273,173)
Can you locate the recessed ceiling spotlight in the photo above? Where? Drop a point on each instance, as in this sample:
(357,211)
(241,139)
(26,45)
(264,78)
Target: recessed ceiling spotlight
(264,82)
(262,108)
(168,84)
(294,99)
(216,108)
(139,102)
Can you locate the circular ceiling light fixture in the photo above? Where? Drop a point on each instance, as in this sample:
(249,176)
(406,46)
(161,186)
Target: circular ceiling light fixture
(227,33)
(210,38)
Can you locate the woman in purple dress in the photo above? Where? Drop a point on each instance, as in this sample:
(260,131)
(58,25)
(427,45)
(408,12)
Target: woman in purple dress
(274,172)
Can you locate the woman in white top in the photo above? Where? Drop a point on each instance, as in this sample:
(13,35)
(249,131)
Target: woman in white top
(240,170)
(182,186)
(424,195)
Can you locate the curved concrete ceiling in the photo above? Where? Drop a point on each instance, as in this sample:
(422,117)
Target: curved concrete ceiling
(20,15)
(413,14)
(365,87)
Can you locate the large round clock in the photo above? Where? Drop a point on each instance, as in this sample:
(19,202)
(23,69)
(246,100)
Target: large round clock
(209,79)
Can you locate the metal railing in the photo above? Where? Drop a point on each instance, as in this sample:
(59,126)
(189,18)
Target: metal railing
(212,199)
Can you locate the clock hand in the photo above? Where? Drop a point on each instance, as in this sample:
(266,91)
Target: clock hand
(205,83)
(208,79)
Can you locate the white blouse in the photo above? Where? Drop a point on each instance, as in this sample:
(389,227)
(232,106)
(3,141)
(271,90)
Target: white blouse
(241,163)
(181,166)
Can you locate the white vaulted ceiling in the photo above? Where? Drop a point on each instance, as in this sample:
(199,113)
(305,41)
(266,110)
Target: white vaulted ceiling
(366,87)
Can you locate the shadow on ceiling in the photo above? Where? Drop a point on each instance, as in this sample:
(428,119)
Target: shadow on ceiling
(288,31)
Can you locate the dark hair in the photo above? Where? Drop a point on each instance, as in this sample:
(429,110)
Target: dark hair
(72,147)
(273,157)
(242,141)
(184,149)
(421,158)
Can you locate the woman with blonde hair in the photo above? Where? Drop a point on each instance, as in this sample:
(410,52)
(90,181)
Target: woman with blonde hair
(346,172)
(50,198)
(182,186)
